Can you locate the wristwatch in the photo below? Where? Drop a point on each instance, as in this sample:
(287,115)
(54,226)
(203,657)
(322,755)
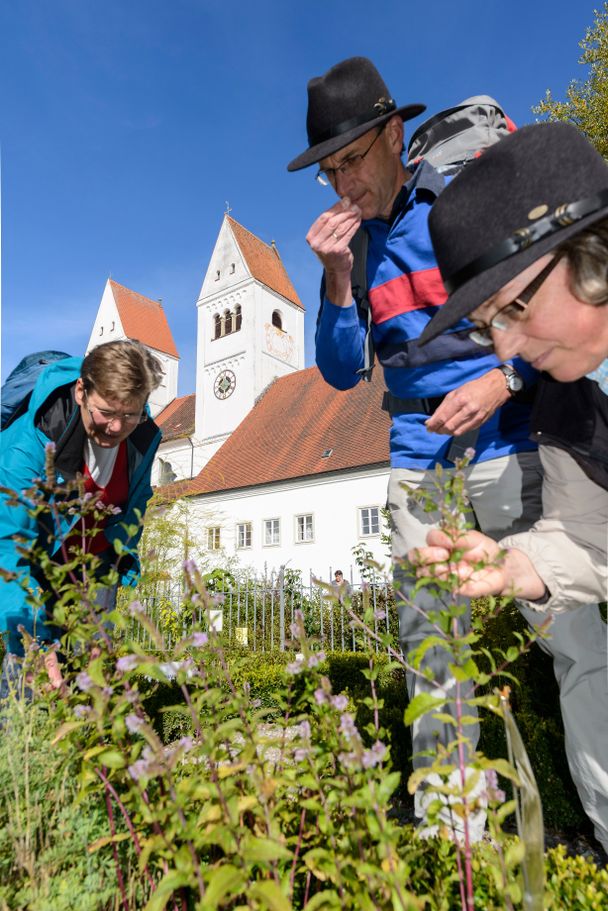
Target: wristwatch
(515,383)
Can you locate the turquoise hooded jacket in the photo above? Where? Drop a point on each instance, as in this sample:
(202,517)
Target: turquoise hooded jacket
(53,417)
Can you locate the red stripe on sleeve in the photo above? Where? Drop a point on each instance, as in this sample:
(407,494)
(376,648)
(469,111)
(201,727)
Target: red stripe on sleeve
(406,292)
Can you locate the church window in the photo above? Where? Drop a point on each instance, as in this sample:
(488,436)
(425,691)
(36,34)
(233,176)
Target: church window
(272,532)
(213,538)
(369,521)
(101,330)
(232,268)
(227,322)
(243,535)
(304,529)
(277,320)
(217,275)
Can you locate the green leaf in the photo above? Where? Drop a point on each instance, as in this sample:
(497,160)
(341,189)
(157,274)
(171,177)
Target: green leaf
(320,862)
(270,894)
(107,840)
(66,728)
(263,850)
(225,880)
(420,705)
(169,884)
(111,758)
(328,899)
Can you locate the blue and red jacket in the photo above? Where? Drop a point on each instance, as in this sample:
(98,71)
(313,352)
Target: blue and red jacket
(404,290)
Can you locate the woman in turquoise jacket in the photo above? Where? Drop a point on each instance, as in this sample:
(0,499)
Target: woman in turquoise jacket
(93,413)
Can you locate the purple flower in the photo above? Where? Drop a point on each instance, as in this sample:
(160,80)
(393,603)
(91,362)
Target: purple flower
(316,658)
(320,696)
(186,743)
(199,639)
(469,453)
(126,663)
(494,793)
(136,608)
(297,666)
(81,711)
(107,691)
(380,613)
(348,726)
(301,754)
(84,682)
(304,730)
(190,567)
(134,723)
(139,769)
(339,702)
(374,756)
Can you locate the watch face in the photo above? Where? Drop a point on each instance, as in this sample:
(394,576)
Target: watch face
(225,384)
(515,383)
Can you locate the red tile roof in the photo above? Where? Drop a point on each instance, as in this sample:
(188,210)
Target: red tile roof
(264,262)
(143,319)
(284,436)
(177,418)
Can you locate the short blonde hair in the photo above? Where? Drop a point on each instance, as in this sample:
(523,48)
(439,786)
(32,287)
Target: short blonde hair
(587,255)
(121,370)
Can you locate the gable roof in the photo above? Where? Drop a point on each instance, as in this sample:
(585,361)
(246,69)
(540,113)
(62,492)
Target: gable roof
(143,319)
(264,262)
(177,418)
(293,423)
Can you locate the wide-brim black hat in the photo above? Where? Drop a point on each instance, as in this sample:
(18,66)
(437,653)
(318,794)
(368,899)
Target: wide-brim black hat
(343,104)
(523,197)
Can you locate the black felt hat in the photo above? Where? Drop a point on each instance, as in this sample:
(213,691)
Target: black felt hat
(522,198)
(343,104)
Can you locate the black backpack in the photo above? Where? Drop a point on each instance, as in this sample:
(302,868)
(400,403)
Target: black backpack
(448,141)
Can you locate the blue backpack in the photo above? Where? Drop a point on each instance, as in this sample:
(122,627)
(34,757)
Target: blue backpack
(17,390)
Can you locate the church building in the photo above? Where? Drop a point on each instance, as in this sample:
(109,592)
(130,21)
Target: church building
(276,467)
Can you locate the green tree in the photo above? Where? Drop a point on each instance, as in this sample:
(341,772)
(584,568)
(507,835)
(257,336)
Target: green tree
(586,104)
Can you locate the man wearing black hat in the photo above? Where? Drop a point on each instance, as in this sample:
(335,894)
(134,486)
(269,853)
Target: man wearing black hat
(521,238)
(436,396)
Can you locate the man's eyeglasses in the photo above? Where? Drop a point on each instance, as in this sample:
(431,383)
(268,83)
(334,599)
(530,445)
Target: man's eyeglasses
(326,176)
(102,417)
(504,318)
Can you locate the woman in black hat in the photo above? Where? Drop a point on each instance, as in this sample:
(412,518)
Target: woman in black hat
(521,238)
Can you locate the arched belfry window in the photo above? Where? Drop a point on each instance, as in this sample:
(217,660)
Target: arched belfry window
(227,322)
(277,320)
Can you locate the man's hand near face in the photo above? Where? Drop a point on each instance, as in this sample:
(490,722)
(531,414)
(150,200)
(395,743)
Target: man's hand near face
(329,238)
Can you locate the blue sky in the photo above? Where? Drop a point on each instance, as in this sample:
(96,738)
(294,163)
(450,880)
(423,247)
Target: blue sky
(126,125)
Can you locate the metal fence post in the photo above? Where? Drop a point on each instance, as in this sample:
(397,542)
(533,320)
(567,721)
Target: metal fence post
(282,608)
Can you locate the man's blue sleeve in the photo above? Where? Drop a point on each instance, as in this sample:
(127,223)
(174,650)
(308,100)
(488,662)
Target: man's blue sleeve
(339,345)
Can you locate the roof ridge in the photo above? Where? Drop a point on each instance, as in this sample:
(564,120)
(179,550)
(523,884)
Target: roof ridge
(151,300)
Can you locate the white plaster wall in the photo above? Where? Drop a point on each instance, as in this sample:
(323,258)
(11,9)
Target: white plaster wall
(334,504)
(107,326)
(167,390)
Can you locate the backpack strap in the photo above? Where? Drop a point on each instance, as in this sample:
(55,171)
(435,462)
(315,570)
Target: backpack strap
(358,246)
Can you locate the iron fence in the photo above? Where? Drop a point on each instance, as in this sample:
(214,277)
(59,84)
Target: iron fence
(259,615)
